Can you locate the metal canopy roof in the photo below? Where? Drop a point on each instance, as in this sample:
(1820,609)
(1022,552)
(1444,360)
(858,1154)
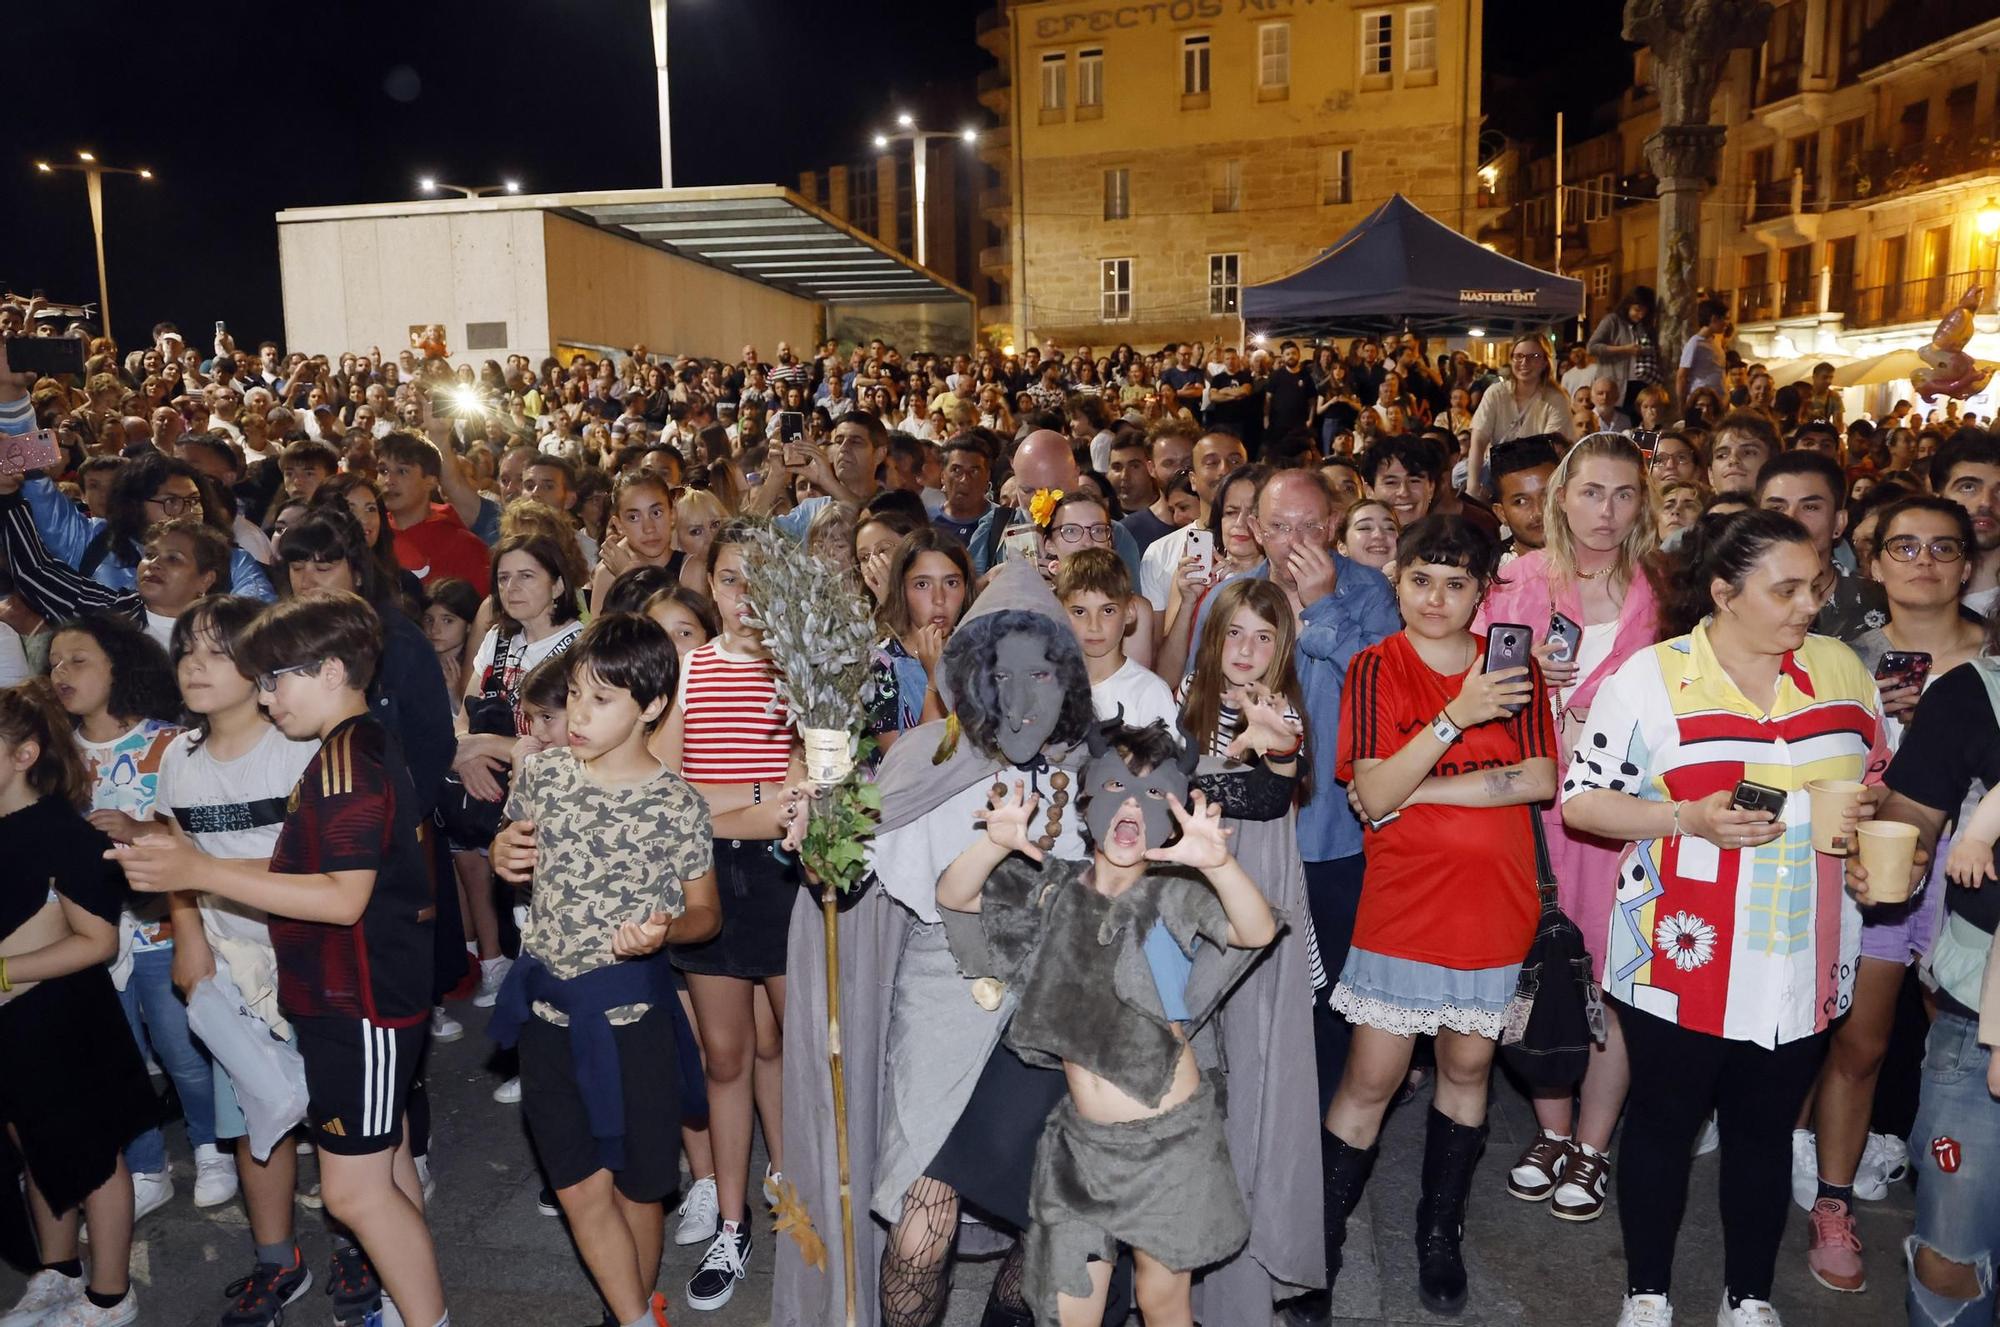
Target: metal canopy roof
(762,232)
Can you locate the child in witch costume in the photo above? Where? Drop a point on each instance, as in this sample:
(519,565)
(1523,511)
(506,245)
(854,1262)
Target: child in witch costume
(1136,1154)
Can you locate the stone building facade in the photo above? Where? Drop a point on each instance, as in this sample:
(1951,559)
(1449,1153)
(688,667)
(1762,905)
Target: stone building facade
(1161,155)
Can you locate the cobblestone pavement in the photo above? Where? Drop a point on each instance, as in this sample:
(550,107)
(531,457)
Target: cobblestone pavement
(505,1265)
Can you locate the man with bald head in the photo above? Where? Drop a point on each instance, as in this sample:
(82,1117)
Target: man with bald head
(1047,459)
(1341,608)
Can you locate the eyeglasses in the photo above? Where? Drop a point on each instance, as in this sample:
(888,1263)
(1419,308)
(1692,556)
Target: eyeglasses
(1071,533)
(1533,357)
(176,504)
(1285,529)
(1905,547)
(269,681)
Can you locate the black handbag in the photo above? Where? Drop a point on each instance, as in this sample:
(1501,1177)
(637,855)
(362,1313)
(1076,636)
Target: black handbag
(468,821)
(1557,1010)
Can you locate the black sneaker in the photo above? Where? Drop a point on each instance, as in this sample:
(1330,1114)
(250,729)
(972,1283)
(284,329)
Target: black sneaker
(357,1294)
(546,1202)
(722,1267)
(259,1299)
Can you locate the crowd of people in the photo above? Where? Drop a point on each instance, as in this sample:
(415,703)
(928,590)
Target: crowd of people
(338,692)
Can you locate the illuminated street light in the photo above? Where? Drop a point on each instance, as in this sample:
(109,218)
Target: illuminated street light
(93,172)
(918,139)
(1988,218)
(430,184)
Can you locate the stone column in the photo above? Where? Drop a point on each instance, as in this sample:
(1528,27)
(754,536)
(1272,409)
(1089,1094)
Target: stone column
(1691,41)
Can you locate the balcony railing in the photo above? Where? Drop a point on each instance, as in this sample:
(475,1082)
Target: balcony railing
(1800,295)
(1770,199)
(1882,171)
(1756,303)
(1920,299)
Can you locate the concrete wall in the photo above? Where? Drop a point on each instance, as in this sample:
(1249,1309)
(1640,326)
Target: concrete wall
(360,282)
(604,290)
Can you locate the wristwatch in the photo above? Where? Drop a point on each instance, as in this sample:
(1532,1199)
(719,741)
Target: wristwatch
(1445,730)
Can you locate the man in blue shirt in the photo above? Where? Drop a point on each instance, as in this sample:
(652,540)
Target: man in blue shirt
(1341,608)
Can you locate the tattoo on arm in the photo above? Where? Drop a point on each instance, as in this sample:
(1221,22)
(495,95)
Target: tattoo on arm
(1500,782)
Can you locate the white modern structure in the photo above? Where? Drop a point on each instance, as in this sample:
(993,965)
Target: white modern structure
(682,271)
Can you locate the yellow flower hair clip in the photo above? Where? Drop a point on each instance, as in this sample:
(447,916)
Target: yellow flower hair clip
(1042,506)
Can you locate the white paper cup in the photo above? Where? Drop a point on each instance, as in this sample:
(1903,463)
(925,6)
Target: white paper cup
(1830,799)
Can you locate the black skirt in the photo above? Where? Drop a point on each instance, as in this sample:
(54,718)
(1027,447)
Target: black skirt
(756,890)
(989,1156)
(74,1088)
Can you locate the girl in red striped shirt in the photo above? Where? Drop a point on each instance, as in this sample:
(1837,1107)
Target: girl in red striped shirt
(728,735)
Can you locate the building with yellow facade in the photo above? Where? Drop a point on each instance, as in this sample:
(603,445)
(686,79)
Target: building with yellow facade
(1156,156)
(1859,193)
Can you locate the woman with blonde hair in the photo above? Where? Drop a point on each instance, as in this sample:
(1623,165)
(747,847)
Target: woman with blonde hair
(1524,402)
(1590,581)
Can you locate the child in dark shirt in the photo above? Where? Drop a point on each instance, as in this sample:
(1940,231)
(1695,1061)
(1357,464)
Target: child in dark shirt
(349,894)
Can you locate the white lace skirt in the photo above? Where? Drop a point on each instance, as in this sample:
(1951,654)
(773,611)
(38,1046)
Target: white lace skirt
(1406,997)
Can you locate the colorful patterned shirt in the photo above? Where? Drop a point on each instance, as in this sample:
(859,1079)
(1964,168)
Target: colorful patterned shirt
(1750,944)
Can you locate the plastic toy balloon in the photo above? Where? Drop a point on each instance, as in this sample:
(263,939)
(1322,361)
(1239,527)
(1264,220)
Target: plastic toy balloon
(1948,370)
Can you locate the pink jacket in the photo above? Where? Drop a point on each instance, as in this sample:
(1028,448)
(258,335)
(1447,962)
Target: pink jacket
(1586,868)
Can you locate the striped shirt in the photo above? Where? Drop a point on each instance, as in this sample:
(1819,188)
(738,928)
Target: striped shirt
(735,729)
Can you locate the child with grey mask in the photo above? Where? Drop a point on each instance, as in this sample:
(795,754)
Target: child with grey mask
(1151,933)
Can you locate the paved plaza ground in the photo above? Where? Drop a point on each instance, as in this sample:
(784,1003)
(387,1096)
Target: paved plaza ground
(505,1265)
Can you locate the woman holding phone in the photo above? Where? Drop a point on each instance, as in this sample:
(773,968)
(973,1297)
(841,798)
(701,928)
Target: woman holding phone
(1441,744)
(1726,959)
(1586,595)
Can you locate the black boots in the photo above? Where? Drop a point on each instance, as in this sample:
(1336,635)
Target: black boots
(1450,1149)
(1343,1173)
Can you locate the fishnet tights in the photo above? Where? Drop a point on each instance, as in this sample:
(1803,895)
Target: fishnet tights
(916,1263)
(1006,1292)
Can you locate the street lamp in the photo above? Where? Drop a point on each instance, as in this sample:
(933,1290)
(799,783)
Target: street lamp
(93,172)
(919,139)
(1987,222)
(430,184)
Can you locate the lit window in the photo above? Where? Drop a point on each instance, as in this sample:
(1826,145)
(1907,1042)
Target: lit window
(1055,80)
(1378,43)
(1115,304)
(1600,281)
(1274,55)
(1224,286)
(1423,38)
(1090,77)
(1194,64)
(1117,194)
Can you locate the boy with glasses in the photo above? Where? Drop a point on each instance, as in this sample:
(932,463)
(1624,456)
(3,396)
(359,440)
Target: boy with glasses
(348,890)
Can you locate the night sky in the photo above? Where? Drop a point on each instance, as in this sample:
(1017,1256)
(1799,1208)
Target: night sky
(244,110)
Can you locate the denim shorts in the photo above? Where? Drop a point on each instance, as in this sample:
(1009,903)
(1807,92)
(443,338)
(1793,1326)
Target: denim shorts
(1955,1152)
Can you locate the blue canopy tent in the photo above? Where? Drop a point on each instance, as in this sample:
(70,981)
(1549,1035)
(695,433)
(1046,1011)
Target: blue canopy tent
(1400,268)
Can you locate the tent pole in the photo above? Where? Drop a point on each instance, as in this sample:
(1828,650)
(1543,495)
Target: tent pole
(1559,193)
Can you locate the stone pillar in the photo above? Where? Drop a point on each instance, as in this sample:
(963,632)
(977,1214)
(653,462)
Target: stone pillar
(1691,41)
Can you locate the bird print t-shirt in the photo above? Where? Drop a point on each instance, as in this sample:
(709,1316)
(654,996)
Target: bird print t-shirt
(604,856)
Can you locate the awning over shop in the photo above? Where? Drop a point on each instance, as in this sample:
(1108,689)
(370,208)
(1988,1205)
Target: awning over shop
(1402,268)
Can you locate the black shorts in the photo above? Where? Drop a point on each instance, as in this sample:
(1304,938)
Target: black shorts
(358,1077)
(756,891)
(552,1103)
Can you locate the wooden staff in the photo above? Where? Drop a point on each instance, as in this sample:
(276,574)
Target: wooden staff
(830,909)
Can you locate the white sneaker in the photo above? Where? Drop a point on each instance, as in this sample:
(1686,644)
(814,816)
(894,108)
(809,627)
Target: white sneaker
(1709,1139)
(1646,1311)
(492,972)
(1750,1313)
(443,1026)
(424,1179)
(310,1198)
(150,1193)
(1885,1159)
(47,1291)
(772,1179)
(80,1312)
(1805,1169)
(214,1176)
(509,1092)
(699,1215)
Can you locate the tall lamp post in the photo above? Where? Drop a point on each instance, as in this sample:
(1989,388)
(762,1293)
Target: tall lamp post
(659,8)
(93,172)
(919,139)
(430,184)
